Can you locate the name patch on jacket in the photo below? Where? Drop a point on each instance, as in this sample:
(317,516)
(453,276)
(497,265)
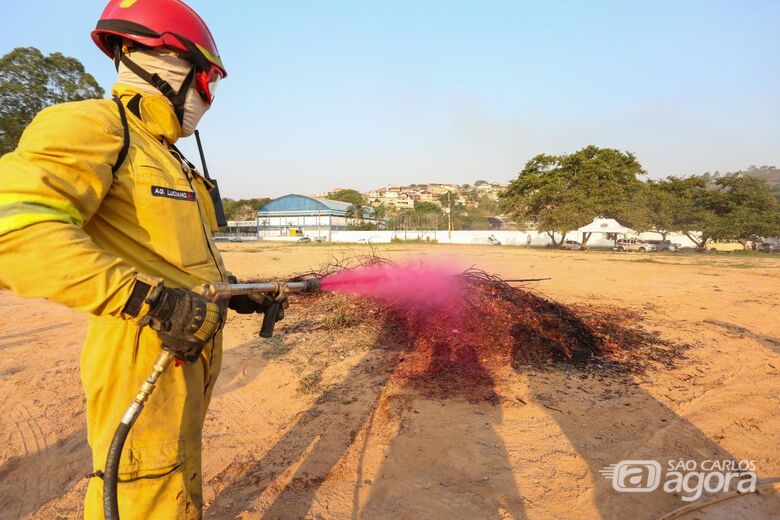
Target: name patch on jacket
(169,193)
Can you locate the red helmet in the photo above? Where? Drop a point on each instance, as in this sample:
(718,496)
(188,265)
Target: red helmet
(159,23)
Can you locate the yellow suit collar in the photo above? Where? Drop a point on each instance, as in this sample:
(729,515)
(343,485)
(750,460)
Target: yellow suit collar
(157,112)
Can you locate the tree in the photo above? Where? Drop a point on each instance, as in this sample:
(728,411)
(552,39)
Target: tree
(661,202)
(770,174)
(30,81)
(744,209)
(380,214)
(428,215)
(423,208)
(729,207)
(465,219)
(689,208)
(543,194)
(243,209)
(487,207)
(681,204)
(352,196)
(561,193)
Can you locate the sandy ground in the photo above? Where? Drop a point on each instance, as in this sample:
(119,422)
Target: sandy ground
(315,424)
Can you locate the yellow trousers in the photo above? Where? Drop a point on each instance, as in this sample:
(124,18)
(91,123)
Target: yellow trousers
(160,471)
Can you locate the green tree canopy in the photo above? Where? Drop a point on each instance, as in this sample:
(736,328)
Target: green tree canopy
(663,201)
(680,204)
(743,209)
(771,174)
(421,208)
(30,81)
(352,196)
(243,209)
(705,207)
(560,193)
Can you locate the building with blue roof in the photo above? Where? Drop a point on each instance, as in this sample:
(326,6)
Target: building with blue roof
(301,215)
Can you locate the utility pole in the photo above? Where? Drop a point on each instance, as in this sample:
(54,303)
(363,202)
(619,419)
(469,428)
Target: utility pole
(449,216)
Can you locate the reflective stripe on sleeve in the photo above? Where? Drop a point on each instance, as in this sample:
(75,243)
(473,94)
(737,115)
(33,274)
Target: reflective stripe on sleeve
(21,210)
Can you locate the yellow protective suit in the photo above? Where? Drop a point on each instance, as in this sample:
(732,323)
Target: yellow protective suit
(73,233)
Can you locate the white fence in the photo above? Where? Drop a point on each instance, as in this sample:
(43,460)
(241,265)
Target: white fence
(510,238)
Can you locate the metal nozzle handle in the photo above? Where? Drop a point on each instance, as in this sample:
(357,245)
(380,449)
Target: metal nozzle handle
(219,291)
(269,320)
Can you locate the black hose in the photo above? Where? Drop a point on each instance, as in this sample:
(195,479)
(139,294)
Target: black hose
(111,472)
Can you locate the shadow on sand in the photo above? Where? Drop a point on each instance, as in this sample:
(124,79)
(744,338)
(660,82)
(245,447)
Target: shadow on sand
(30,481)
(606,413)
(341,423)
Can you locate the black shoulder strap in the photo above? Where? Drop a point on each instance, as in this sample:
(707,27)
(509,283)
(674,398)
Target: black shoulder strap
(126,145)
(180,156)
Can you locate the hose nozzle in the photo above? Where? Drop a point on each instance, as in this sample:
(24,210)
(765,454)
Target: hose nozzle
(311,285)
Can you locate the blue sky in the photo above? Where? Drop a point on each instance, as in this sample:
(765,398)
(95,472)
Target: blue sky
(364,94)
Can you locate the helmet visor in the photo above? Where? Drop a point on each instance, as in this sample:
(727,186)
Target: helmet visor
(206,83)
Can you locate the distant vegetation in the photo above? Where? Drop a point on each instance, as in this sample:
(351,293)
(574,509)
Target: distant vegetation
(243,209)
(427,215)
(770,174)
(558,194)
(30,81)
(358,208)
(352,196)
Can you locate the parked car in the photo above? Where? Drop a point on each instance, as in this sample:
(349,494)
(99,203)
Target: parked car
(769,247)
(235,239)
(304,240)
(633,244)
(571,245)
(724,246)
(663,245)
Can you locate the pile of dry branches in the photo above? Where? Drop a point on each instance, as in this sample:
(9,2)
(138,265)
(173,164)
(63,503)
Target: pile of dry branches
(495,324)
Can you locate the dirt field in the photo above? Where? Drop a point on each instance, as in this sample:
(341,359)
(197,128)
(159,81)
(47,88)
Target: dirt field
(316,423)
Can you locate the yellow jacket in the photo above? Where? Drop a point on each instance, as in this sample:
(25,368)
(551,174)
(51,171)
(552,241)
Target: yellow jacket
(74,233)
(114,226)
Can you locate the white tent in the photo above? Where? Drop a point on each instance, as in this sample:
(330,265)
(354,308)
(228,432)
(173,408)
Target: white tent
(605,225)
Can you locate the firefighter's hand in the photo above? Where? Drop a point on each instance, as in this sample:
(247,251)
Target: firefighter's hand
(184,320)
(256,303)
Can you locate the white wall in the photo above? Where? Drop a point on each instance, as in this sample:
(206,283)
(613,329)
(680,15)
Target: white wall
(510,238)
(458,237)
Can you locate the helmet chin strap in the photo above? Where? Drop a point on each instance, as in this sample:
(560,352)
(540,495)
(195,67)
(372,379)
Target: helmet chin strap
(176,98)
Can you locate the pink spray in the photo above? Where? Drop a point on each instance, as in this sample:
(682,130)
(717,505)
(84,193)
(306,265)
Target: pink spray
(422,285)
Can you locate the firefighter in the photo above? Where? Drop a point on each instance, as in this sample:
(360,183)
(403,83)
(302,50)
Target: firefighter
(99,212)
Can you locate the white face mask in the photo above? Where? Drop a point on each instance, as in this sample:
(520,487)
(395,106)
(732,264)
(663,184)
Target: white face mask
(173,69)
(194,109)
